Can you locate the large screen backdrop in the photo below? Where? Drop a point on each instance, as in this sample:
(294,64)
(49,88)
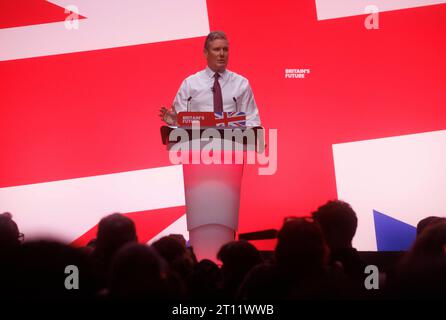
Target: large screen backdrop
(358,101)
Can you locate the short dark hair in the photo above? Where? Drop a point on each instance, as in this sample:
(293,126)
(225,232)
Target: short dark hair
(239,254)
(214,35)
(428,221)
(114,231)
(9,231)
(301,245)
(338,222)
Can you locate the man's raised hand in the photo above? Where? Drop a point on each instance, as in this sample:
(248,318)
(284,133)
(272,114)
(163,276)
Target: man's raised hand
(169,116)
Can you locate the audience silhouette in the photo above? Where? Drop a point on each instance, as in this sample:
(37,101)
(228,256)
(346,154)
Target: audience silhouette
(338,222)
(300,270)
(238,258)
(313,259)
(114,231)
(421,273)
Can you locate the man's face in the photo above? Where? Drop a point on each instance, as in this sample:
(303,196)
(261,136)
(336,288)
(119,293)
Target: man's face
(217,55)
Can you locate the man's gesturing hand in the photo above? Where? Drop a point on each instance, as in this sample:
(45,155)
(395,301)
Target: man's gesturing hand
(168,116)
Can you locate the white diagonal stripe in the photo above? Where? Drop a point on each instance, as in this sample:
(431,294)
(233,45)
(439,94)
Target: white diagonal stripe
(108,24)
(331,9)
(66,209)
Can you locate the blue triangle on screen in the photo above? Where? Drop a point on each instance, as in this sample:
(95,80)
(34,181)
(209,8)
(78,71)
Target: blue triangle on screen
(392,234)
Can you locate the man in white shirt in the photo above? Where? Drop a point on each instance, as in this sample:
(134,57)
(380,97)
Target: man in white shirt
(212,192)
(214,88)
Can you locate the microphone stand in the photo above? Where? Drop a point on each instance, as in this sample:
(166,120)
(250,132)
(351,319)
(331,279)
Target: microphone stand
(188,103)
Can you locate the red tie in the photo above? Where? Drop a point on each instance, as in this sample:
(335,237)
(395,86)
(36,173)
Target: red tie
(218,99)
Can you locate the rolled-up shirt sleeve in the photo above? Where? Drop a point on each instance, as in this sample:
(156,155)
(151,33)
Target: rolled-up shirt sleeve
(180,101)
(249,106)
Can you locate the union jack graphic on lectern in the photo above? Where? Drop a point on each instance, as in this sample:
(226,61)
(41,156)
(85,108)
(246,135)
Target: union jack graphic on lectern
(230,119)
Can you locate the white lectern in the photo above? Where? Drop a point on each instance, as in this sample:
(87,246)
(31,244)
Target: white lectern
(212,190)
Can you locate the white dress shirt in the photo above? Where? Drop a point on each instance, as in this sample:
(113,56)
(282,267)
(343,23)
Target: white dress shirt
(195,94)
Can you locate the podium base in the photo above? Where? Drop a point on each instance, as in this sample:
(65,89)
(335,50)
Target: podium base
(207,239)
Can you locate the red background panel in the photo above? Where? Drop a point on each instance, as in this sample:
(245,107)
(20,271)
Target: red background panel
(92,113)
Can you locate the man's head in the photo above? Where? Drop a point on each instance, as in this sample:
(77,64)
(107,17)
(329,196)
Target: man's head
(301,246)
(9,232)
(216,51)
(428,221)
(338,222)
(114,231)
(173,249)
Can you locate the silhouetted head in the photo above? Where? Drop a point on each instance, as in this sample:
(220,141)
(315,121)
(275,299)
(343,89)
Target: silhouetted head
(338,222)
(46,268)
(203,283)
(238,256)
(114,231)
(431,242)
(170,247)
(174,251)
(9,232)
(423,223)
(421,271)
(301,246)
(138,271)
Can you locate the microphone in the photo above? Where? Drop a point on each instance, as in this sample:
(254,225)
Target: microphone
(188,103)
(236,107)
